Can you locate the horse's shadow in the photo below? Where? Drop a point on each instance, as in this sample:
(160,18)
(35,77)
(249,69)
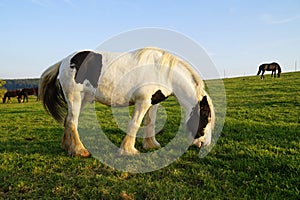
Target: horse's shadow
(39,142)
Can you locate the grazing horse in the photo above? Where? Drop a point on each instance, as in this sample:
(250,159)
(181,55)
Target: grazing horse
(12,93)
(29,91)
(269,67)
(142,78)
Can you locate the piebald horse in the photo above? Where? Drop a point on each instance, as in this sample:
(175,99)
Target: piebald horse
(142,78)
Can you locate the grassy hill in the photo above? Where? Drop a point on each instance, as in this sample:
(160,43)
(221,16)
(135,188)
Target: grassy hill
(256,157)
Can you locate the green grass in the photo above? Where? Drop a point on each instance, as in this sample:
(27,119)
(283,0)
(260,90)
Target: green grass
(256,157)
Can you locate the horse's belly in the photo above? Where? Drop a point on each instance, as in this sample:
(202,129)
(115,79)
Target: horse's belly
(112,97)
(128,94)
(122,87)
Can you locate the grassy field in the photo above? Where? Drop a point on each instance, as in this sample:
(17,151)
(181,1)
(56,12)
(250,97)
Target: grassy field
(256,157)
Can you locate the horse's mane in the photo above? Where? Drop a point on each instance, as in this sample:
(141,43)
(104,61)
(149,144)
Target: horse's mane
(168,60)
(147,54)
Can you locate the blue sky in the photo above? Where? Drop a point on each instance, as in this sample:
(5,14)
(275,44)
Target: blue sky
(238,35)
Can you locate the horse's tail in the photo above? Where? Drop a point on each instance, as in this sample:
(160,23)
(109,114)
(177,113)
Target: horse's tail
(51,94)
(279,69)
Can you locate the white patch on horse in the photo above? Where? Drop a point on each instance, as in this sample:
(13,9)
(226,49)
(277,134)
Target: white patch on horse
(88,88)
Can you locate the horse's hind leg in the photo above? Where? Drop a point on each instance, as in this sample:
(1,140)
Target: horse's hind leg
(140,109)
(71,141)
(149,126)
(25,98)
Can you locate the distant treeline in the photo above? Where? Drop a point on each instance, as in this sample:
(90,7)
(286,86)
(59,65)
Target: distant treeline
(14,84)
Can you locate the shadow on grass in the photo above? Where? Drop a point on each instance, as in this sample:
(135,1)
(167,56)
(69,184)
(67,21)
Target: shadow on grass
(45,141)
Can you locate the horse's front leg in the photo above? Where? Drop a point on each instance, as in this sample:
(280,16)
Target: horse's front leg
(262,75)
(140,109)
(149,126)
(71,141)
(272,75)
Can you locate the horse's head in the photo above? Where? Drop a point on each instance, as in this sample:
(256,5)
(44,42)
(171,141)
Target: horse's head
(200,123)
(260,68)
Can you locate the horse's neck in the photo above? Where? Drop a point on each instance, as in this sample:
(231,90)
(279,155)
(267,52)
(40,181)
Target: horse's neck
(187,87)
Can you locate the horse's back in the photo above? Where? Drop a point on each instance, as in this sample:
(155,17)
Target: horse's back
(275,64)
(115,78)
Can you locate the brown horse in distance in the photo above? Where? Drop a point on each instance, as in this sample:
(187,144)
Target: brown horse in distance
(29,91)
(12,93)
(269,67)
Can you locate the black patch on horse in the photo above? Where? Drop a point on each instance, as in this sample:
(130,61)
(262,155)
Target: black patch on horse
(157,97)
(88,66)
(199,118)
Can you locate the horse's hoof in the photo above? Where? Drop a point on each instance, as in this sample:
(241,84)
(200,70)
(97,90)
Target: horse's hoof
(155,145)
(151,143)
(147,146)
(81,153)
(133,151)
(85,154)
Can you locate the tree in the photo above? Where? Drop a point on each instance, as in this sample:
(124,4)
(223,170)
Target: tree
(2,90)
(2,82)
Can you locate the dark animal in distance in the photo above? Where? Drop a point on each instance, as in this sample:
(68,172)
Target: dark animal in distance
(29,91)
(12,93)
(269,67)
